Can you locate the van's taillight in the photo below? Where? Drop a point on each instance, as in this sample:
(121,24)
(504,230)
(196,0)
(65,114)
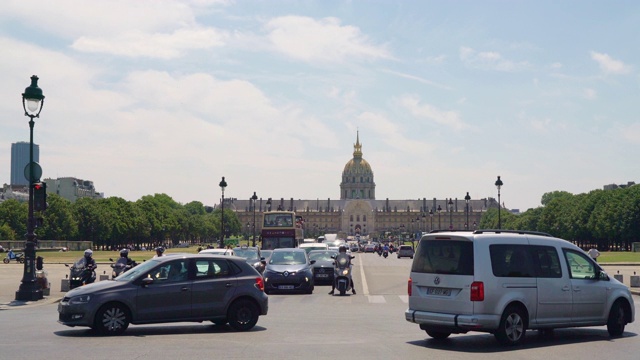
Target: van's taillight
(260,283)
(409,285)
(477,291)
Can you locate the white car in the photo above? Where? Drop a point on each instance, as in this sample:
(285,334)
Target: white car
(227,252)
(505,282)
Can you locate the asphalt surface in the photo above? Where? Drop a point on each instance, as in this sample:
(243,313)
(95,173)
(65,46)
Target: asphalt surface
(11,276)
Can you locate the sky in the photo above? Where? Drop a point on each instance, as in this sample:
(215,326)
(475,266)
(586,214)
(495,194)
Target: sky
(161,96)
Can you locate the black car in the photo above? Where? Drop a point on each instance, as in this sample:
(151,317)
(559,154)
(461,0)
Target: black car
(252,255)
(288,270)
(323,267)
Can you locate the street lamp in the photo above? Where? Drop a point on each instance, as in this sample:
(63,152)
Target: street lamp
(431,216)
(269,204)
(254,198)
(450,213)
(499,185)
(439,224)
(32,103)
(223,185)
(466,200)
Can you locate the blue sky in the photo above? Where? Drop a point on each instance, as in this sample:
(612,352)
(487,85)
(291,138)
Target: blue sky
(147,97)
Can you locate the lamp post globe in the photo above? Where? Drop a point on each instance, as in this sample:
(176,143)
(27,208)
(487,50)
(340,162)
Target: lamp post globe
(29,290)
(439,223)
(450,213)
(223,185)
(499,185)
(431,216)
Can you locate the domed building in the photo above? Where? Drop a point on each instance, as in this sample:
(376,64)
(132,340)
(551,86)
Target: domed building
(357,176)
(357,212)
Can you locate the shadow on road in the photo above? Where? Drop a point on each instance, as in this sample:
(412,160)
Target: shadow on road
(486,343)
(149,330)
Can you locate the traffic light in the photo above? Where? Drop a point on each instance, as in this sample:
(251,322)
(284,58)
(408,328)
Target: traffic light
(40,196)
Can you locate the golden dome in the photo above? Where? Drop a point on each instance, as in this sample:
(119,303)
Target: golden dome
(357,165)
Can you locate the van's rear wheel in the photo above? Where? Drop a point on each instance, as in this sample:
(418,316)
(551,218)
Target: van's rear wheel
(512,328)
(617,320)
(438,335)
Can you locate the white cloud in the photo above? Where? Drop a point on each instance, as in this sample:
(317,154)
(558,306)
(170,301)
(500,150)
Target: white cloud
(418,79)
(324,40)
(609,65)
(590,94)
(489,60)
(448,118)
(630,133)
(392,134)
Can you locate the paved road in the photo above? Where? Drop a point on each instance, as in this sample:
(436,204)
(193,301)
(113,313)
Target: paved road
(369,325)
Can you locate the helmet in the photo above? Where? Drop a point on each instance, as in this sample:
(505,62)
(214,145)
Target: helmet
(342,249)
(160,250)
(88,253)
(124,253)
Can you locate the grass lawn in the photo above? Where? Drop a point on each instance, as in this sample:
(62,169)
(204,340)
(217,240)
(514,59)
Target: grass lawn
(619,257)
(69,257)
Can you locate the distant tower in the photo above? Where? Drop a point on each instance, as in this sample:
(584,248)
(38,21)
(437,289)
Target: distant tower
(357,176)
(20,160)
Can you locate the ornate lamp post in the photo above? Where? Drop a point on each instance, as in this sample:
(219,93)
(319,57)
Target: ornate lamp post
(223,185)
(450,213)
(269,204)
(431,216)
(32,103)
(466,200)
(499,185)
(439,224)
(254,198)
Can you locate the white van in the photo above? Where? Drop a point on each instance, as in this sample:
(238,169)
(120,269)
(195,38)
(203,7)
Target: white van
(313,246)
(505,282)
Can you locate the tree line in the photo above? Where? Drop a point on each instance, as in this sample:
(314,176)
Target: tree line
(113,223)
(606,219)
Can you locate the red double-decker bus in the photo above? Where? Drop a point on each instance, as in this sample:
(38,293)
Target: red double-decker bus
(281,229)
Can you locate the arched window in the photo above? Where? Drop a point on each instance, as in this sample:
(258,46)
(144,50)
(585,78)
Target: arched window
(350,217)
(357,218)
(364,218)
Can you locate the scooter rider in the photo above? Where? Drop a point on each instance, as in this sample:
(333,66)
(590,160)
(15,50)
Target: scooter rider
(342,249)
(159,252)
(124,253)
(90,265)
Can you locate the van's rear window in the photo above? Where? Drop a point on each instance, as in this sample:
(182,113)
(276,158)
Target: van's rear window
(444,257)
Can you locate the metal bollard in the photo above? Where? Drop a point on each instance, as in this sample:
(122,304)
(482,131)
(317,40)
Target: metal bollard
(618,277)
(64,285)
(635,281)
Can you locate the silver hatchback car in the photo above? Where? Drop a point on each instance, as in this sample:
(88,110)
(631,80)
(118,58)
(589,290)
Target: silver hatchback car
(505,282)
(186,287)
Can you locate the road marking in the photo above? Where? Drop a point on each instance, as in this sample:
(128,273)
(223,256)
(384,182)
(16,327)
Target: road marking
(404,298)
(376,299)
(365,287)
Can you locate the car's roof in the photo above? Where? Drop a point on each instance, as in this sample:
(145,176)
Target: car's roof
(288,250)
(322,251)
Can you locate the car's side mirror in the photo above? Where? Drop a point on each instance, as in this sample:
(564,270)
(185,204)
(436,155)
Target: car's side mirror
(311,262)
(352,257)
(147,281)
(333,256)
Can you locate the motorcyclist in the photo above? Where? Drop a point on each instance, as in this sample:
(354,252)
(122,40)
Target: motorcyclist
(386,248)
(90,265)
(159,252)
(124,253)
(343,250)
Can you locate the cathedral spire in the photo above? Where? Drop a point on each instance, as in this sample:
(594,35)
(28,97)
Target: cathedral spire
(357,148)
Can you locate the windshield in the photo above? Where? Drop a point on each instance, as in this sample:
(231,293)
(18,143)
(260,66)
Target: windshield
(80,263)
(322,255)
(140,269)
(249,254)
(288,258)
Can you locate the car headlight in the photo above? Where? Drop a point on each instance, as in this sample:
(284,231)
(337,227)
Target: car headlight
(82,299)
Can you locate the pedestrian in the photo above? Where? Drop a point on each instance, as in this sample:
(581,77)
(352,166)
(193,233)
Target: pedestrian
(594,253)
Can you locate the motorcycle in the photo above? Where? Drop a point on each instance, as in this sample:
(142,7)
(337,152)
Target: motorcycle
(385,253)
(342,272)
(81,274)
(19,257)
(119,267)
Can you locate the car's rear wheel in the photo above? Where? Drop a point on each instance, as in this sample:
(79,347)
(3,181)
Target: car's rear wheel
(438,335)
(617,320)
(112,319)
(243,315)
(512,328)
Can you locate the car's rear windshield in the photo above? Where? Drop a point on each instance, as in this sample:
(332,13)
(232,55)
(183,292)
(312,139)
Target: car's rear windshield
(444,257)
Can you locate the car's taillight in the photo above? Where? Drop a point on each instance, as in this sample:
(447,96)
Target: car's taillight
(260,283)
(409,286)
(477,291)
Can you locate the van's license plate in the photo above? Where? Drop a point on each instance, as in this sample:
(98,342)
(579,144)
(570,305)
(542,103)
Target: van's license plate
(438,291)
